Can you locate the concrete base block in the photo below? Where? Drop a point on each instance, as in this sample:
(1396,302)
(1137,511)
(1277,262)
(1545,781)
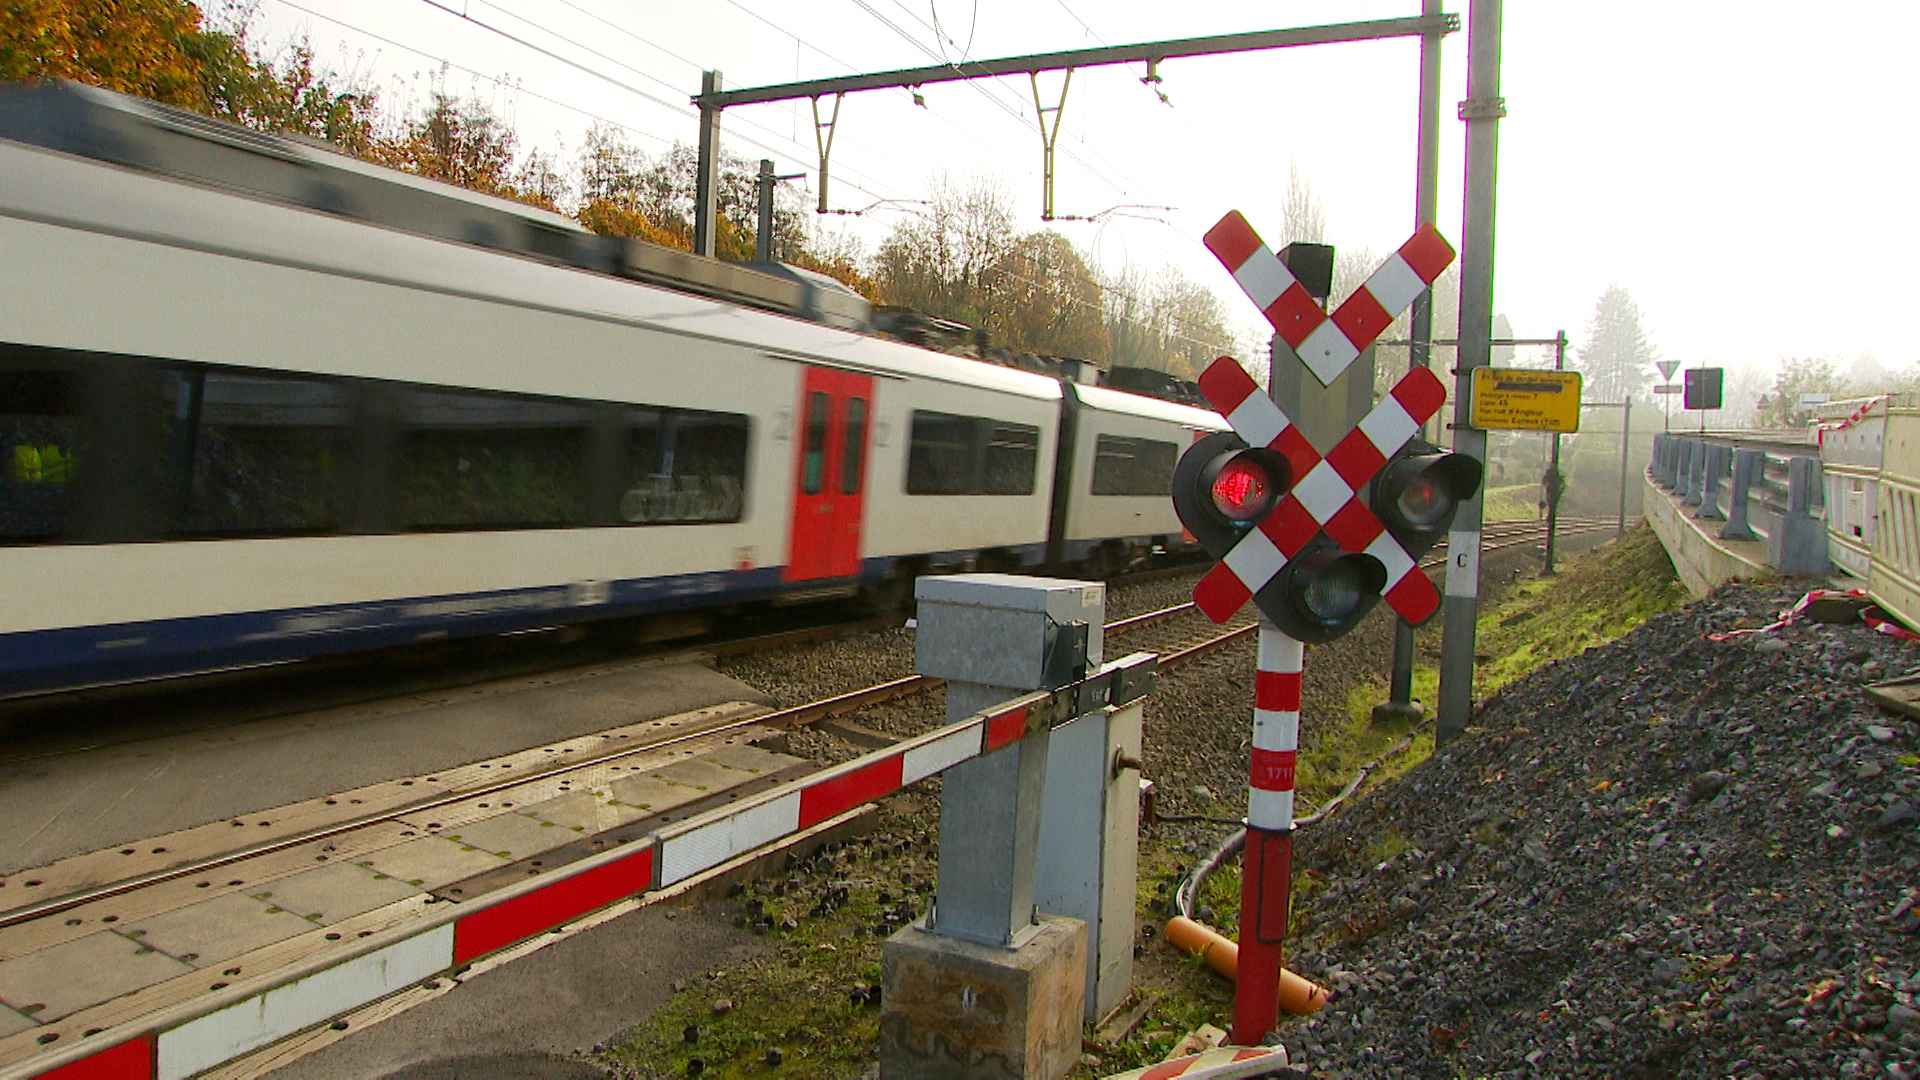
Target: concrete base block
(1391,713)
(955,1010)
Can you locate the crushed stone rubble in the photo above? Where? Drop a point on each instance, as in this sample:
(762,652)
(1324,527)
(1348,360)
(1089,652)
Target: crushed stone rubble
(1667,856)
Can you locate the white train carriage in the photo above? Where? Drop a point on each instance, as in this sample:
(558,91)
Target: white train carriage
(1115,472)
(238,431)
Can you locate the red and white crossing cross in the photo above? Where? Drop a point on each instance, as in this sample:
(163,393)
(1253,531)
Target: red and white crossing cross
(1327,345)
(1325,497)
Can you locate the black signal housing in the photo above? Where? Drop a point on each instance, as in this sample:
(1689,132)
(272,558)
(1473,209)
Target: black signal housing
(1222,488)
(1417,493)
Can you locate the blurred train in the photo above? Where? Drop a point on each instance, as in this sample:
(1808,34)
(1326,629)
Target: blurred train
(260,401)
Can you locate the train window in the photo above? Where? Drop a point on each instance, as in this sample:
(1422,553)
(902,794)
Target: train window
(853,444)
(270,455)
(1126,466)
(969,455)
(813,460)
(941,458)
(1013,452)
(684,467)
(40,452)
(473,460)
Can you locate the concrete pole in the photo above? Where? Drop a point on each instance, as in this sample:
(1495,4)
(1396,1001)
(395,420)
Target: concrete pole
(763,232)
(706,181)
(1482,111)
(1420,327)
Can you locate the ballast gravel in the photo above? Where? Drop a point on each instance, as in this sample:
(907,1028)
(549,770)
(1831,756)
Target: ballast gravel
(1668,856)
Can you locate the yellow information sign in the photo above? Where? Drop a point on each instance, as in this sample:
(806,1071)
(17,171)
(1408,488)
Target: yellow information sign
(1519,399)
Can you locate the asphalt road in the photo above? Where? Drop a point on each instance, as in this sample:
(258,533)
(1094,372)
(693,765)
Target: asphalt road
(532,1019)
(77,798)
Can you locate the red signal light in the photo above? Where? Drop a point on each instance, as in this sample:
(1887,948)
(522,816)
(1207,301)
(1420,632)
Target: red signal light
(1242,490)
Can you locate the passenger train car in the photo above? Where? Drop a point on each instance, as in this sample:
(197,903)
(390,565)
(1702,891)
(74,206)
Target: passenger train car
(259,402)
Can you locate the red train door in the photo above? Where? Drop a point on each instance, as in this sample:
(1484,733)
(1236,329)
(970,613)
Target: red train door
(830,441)
(1186,536)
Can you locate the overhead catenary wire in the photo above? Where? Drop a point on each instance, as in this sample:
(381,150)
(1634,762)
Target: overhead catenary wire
(1016,112)
(800,158)
(629,88)
(973,25)
(1091,32)
(589,114)
(550,54)
(501,83)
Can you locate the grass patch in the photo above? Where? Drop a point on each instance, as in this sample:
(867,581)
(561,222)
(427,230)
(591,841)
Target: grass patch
(1511,501)
(1596,598)
(814,1004)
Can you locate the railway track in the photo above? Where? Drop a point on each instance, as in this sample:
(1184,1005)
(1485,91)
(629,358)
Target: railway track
(1178,633)
(68,900)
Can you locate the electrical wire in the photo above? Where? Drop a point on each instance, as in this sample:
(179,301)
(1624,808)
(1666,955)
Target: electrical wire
(1018,113)
(618,29)
(973,24)
(1190,885)
(801,158)
(796,37)
(1091,32)
(671,142)
(550,54)
(501,83)
(636,91)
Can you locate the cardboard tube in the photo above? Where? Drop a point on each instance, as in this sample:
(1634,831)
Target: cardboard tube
(1299,996)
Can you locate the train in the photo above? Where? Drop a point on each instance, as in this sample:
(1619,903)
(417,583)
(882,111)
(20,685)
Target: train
(262,402)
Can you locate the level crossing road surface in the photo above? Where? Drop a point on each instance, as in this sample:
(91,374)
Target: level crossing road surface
(65,803)
(534,1019)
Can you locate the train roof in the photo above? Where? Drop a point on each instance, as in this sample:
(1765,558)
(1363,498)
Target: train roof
(1122,401)
(90,122)
(125,202)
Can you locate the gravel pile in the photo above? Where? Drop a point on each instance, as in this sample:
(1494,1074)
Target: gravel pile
(1199,724)
(1668,856)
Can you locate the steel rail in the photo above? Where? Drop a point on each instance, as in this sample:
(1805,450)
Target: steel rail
(1505,529)
(1181,656)
(790,717)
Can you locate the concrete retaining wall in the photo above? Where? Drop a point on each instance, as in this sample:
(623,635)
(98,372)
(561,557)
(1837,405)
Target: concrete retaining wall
(1701,558)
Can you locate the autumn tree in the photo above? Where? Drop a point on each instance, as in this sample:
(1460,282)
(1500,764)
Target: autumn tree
(1046,299)
(458,142)
(938,262)
(1615,359)
(1167,322)
(157,49)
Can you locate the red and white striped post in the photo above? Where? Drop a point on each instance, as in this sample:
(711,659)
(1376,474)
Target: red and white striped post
(1266,867)
(1324,497)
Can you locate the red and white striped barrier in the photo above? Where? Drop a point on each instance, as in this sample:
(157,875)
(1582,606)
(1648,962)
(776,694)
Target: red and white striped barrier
(1327,345)
(198,1035)
(1325,493)
(1820,430)
(1220,1063)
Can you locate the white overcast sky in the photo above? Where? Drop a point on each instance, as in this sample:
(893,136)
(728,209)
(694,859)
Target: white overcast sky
(1727,163)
